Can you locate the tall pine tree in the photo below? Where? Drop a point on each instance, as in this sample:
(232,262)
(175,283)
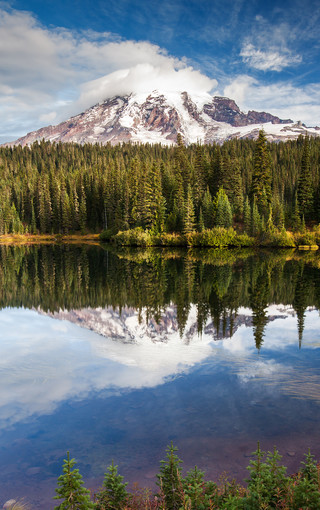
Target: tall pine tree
(71,490)
(305,192)
(261,178)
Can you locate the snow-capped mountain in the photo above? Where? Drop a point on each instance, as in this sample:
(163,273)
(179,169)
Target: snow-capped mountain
(157,118)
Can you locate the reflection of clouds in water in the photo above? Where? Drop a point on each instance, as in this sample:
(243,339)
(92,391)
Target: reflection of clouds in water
(264,369)
(45,361)
(279,333)
(296,381)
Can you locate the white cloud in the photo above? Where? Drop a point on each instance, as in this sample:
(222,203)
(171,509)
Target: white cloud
(270,60)
(48,117)
(143,78)
(281,99)
(268,46)
(44,71)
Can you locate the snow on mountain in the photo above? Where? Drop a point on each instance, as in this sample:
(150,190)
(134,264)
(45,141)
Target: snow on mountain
(157,118)
(131,327)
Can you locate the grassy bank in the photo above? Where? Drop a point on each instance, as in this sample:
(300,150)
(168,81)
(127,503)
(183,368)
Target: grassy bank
(210,238)
(19,239)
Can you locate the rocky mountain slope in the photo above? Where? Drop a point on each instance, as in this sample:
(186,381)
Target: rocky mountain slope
(157,118)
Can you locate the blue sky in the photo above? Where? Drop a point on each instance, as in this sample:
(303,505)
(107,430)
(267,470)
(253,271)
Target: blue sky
(59,57)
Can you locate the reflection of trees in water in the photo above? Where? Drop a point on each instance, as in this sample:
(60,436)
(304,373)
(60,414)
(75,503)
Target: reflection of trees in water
(259,294)
(305,287)
(216,282)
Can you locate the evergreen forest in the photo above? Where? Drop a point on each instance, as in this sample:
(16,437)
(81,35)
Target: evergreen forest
(251,186)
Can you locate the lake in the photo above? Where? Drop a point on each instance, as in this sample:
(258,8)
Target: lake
(113,354)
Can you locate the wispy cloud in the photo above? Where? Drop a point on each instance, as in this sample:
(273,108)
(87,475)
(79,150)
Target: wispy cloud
(270,60)
(267,48)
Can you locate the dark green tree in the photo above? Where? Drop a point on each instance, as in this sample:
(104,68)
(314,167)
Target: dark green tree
(261,178)
(207,209)
(189,216)
(169,479)
(194,489)
(71,490)
(256,225)
(305,187)
(306,491)
(114,495)
(247,216)
(223,216)
(259,294)
(267,480)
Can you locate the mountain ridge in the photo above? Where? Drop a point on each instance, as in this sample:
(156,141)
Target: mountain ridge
(157,118)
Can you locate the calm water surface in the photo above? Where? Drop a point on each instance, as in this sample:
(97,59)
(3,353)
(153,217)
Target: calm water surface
(113,355)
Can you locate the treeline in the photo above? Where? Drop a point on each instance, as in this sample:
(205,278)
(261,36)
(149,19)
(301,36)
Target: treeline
(268,486)
(216,282)
(254,186)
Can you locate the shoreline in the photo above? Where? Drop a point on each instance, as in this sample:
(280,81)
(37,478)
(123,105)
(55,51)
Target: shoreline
(163,241)
(28,239)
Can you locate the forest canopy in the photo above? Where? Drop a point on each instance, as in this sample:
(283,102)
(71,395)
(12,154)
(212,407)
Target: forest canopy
(250,185)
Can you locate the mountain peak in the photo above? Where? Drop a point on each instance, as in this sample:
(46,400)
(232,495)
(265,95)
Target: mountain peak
(157,117)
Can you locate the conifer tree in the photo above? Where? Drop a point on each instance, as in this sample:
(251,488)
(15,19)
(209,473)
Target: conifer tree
(71,490)
(189,216)
(82,211)
(267,480)
(201,221)
(114,495)
(199,172)
(306,491)
(247,216)
(223,216)
(261,178)
(270,225)
(218,170)
(305,191)
(207,209)
(296,220)
(194,486)
(256,225)
(182,163)
(232,181)
(169,479)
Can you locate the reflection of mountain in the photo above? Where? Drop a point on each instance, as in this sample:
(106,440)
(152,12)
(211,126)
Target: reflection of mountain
(131,326)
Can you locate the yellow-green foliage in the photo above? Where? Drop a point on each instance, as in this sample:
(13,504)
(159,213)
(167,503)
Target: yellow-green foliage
(277,239)
(217,237)
(306,239)
(133,237)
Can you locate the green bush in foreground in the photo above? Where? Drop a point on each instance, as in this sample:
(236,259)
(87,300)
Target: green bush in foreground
(268,487)
(71,490)
(113,495)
